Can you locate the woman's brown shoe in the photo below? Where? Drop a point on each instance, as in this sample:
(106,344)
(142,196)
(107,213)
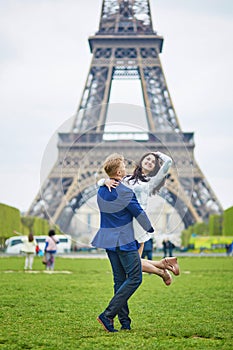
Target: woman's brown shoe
(171,265)
(167,278)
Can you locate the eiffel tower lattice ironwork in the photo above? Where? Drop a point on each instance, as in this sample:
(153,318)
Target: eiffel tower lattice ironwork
(125,46)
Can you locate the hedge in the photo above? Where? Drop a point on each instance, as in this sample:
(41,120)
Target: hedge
(10,220)
(215,225)
(228,222)
(200,228)
(36,225)
(218,225)
(185,236)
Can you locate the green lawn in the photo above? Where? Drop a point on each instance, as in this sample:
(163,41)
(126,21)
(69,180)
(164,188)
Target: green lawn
(58,311)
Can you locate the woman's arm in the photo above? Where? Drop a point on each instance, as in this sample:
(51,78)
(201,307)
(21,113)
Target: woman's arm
(101,182)
(46,246)
(167,162)
(158,178)
(110,183)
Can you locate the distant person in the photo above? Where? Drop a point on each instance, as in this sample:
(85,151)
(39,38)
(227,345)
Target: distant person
(231,249)
(50,249)
(171,246)
(227,246)
(148,249)
(165,247)
(37,249)
(29,247)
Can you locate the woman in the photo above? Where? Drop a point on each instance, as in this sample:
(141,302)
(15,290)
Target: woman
(148,177)
(29,247)
(50,249)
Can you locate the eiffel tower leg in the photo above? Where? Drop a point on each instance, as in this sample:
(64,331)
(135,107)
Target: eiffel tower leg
(161,113)
(93,106)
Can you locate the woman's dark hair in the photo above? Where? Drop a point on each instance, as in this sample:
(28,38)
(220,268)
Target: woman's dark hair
(30,237)
(138,175)
(51,233)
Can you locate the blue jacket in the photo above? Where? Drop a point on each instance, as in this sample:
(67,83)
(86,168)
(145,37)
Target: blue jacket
(117,209)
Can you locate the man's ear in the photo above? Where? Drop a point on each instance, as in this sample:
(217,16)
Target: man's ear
(119,172)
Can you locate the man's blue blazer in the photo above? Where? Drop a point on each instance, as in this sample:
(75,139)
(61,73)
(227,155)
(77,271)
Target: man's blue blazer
(117,210)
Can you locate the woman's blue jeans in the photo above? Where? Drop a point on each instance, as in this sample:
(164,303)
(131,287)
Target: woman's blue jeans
(127,274)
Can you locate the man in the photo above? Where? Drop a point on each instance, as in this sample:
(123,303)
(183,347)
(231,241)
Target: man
(116,235)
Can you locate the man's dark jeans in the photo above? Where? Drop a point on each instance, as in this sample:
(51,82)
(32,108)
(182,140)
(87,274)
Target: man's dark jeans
(127,274)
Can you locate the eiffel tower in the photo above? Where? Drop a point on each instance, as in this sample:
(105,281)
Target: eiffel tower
(125,46)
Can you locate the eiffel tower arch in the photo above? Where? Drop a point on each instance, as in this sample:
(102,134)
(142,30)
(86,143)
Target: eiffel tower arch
(125,47)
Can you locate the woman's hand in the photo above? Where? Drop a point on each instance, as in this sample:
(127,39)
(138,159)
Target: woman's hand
(111,183)
(157,153)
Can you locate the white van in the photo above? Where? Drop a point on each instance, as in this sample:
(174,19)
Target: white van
(14,244)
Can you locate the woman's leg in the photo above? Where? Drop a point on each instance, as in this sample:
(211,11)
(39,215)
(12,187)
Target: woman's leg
(31,258)
(52,259)
(26,262)
(160,267)
(48,264)
(167,263)
(161,272)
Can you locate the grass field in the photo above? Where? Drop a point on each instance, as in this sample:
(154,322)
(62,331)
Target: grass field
(58,311)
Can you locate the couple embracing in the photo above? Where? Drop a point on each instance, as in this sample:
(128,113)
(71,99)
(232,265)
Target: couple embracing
(118,206)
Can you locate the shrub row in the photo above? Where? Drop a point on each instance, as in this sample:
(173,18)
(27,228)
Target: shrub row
(218,225)
(11,220)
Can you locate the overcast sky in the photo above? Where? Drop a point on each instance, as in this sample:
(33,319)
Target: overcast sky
(44,61)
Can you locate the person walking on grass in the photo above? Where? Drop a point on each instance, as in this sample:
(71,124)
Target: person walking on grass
(50,249)
(148,250)
(116,236)
(148,178)
(29,248)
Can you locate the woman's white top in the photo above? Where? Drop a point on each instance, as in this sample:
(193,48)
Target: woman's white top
(143,190)
(28,247)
